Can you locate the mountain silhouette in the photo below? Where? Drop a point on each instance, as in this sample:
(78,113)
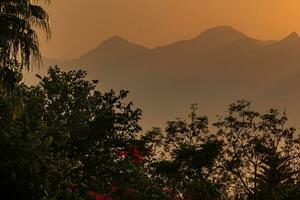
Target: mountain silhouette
(111,51)
(215,68)
(218,47)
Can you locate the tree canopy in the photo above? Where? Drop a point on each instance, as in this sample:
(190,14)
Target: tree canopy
(64,139)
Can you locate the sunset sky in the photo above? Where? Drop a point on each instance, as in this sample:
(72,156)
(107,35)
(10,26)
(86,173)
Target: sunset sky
(80,25)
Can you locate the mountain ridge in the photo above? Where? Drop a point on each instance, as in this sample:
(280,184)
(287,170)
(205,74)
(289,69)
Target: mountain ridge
(215,68)
(116,50)
(218,30)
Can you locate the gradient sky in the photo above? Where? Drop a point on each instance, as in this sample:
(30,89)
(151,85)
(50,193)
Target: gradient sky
(80,25)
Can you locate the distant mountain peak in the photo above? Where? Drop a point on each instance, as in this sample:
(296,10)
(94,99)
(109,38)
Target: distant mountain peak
(292,40)
(220,36)
(221,28)
(112,49)
(114,39)
(116,42)
(292,37)
(222,31)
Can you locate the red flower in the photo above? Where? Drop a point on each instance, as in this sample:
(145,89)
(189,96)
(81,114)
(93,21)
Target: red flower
(98,196)
(137,159)
(133,153)
(113,188)
(123,154)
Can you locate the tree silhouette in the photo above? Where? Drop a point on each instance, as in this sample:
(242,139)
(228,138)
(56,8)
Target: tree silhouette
(260,152)
(19,41)
(191,152)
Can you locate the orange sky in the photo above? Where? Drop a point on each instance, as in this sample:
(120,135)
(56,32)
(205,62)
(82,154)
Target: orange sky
(80,25)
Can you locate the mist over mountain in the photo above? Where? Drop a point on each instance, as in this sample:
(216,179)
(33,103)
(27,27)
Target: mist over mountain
(217,67)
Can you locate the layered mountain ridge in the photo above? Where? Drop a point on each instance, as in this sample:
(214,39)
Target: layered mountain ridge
(213,69)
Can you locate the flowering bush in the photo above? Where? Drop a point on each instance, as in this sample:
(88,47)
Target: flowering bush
(133,154)
(66,139)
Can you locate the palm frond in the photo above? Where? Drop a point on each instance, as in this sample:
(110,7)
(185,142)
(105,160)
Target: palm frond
(19,41)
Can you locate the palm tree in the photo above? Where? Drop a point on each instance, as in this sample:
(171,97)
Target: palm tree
(19,41)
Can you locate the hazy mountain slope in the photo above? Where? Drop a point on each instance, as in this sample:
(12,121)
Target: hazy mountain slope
(214,69)
(111,52)
(285,52)
(30,76)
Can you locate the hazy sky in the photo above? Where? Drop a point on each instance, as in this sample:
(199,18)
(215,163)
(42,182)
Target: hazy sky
(80,25)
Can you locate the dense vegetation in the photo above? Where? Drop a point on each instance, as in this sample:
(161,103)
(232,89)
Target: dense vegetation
(64,139)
